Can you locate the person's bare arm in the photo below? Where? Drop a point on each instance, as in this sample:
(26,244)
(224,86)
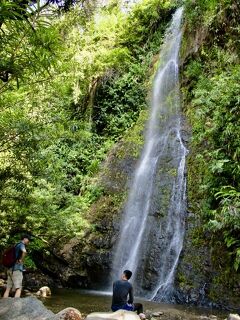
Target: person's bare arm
(23,255)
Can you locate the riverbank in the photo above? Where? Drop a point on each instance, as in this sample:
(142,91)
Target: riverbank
(34,309)
(94,301)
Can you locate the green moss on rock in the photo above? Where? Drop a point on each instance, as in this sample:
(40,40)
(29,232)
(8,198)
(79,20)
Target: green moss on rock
(209,87)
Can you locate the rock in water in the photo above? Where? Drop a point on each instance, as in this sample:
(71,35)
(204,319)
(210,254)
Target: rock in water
(44,292)
(117,315)
(233,317)
(23,309)
(67,314)
(157,314)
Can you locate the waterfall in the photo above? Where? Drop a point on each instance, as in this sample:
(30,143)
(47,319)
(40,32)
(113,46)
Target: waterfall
(152,228)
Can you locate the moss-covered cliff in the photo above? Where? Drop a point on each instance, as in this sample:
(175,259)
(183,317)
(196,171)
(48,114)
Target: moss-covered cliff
(209,269)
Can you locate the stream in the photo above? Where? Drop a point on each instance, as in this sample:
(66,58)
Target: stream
(93,301)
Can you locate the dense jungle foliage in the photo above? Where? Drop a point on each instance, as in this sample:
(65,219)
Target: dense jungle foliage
(73,80)
(211,91)
(72,83)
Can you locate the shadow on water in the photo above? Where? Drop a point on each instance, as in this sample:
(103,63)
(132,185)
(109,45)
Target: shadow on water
(93,301)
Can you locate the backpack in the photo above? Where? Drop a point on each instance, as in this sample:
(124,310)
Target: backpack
(9,257)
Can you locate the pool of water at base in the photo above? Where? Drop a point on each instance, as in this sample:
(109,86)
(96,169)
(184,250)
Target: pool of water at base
(95,301)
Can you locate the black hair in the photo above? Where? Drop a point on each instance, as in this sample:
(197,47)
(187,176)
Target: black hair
(127,273)
(26,236)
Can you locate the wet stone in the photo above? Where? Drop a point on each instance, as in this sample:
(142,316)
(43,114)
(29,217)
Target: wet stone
(157,314)
(233,317)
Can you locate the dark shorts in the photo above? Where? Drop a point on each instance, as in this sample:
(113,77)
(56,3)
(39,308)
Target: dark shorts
(126,306)
(129,307)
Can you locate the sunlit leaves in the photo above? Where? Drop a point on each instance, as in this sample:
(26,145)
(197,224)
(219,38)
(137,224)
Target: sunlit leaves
(52,145)
(215,117)
(28,42)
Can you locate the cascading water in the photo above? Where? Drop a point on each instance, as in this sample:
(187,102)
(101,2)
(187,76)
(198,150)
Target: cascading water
(152,230)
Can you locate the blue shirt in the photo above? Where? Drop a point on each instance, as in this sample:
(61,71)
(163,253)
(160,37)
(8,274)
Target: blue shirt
(20,248)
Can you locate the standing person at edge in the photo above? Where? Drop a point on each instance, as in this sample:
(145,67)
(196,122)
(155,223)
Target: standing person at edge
(15,273)
(123,294)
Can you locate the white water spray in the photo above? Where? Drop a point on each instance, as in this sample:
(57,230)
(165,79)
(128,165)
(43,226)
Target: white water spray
(144,232)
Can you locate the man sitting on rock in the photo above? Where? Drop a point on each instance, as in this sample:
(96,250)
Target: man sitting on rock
(123,295)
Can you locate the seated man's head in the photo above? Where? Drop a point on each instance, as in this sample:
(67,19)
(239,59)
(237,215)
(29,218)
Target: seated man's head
(126,274)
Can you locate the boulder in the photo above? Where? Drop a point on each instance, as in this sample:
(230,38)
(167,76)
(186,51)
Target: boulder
(233,316)
(23,309)
(44,292)
(157,314)
(67,314)
(117,315)
(211,317)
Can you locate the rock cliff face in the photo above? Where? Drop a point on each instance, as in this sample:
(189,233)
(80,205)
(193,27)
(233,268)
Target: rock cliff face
(205,271)
(95,255)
